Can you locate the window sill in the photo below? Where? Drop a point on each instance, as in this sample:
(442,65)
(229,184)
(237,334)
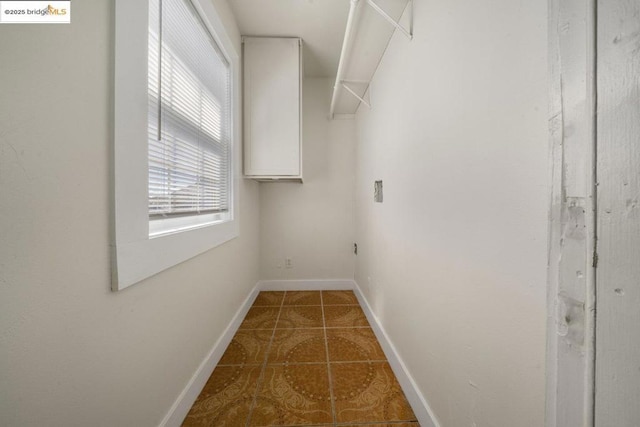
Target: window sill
(137,260)
(137,256)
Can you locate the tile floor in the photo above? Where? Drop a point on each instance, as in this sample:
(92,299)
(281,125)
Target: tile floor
(303,359)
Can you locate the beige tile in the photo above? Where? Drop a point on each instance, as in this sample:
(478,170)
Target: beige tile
(293,395)
(226,398)
(248,347)
(298,346)
(353,344)
(344,316)
(339,298)
(269,298)
(302,298)
(300,317)
(260,318)
(368,393)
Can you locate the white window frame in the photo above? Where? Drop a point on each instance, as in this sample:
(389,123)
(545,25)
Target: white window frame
(137,256)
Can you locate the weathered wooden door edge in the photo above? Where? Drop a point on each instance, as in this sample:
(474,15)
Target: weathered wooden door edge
(572,219)
(617,374)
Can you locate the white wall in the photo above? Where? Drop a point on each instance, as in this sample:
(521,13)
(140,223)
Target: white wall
(454,260)
(73,353)
(312,223)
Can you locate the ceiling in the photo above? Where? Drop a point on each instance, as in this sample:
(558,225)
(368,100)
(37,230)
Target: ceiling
(320,23)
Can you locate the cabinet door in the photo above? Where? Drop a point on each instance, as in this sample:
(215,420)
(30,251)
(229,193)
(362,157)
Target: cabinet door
(272,106)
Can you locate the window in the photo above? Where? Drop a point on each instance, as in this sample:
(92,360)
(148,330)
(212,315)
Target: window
(176,74)
(188,120)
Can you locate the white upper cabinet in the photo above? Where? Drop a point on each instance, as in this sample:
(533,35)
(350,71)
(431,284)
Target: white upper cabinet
(272,108)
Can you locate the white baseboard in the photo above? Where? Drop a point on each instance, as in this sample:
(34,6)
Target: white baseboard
(185,400)
(183,403)
(306,285)
(418,403)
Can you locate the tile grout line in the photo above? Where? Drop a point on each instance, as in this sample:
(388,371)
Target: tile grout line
(336,362)
(326,349)
(252,399)
(264,364)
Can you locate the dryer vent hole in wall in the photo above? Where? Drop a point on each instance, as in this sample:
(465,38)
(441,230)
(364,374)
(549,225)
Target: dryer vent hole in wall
(377,191)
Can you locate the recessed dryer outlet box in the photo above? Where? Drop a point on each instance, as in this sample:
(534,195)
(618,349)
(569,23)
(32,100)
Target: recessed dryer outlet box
(377,191)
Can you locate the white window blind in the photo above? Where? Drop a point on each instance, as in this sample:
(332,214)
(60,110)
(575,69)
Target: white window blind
(189,116)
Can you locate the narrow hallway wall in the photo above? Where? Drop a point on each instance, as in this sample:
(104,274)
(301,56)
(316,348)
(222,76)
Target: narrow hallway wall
(454,259)
(312,223)
(73,353)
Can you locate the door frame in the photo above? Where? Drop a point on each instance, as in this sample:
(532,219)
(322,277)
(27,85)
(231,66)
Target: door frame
(571,292)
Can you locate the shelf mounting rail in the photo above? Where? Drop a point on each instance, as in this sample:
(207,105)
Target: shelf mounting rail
(340,82)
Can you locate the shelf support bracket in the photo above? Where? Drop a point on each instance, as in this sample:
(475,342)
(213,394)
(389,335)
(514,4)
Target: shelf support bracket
(352,92)
(408,33)
(346,46)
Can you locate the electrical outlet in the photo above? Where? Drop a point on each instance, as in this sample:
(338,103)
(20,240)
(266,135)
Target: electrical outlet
(288,263)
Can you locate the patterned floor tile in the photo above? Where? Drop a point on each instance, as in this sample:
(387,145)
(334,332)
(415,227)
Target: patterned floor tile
(293,389)
(293,395)
(368,393)
(353,344)
(260,318)
(269,299)
(344,316)
(339,298)
(300,317)
(302,298)
(298,346)
(248,347)
(226,398)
